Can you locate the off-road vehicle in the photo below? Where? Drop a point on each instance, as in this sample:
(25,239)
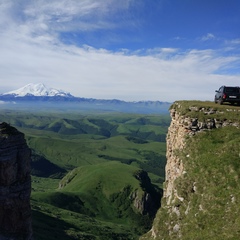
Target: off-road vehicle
(227,94)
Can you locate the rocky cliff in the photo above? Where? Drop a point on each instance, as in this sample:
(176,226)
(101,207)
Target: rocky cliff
(15,185)
(201,192)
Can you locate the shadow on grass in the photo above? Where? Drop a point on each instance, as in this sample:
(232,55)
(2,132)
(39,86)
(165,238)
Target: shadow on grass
(47,227)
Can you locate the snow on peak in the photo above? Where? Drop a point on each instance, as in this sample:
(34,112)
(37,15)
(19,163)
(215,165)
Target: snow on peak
(38,89)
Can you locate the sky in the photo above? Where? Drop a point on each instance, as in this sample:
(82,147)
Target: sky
(132,50)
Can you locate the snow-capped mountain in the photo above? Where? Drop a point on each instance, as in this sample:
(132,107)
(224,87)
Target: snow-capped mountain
(38,89)
(50,98)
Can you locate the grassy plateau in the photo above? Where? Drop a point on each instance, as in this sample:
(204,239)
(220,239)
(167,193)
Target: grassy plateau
(210,185)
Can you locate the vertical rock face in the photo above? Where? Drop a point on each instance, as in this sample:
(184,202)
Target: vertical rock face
(175,142)
(148,202)
(15,185)
(185,192)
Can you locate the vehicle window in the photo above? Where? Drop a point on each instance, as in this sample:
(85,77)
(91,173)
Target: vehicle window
(232,90)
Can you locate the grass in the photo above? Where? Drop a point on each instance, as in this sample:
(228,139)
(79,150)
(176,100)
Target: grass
(210,186)
(199,109)
(81,139)
(89,177)
(100,155)
(98,195)
(55,223)
(219,162)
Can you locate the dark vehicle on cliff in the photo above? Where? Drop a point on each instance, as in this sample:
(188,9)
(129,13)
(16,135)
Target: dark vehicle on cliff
(227,94)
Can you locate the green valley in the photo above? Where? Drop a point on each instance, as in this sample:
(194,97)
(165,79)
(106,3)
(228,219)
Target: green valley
(94,175)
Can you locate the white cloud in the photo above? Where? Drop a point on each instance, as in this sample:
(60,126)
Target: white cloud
(41,17)
(98,73)
(233,42)
(207,37)
(31,51)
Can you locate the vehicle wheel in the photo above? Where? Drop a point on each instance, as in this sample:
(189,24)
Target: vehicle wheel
(220,101)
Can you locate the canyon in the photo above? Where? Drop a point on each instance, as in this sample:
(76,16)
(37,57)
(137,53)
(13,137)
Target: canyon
(201,189)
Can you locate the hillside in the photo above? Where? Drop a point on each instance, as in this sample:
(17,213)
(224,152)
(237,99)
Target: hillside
(201,190)
(102,201)
(63,142)
(94,175)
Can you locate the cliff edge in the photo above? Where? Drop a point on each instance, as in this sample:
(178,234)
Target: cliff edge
(15,185)
(202,186)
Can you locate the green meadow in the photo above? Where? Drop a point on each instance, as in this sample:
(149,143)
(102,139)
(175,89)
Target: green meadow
(210,189)
(88,169)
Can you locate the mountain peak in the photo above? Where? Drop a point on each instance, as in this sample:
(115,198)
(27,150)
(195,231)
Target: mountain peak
(38,89)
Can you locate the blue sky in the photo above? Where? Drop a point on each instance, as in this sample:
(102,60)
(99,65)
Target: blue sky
(131,50)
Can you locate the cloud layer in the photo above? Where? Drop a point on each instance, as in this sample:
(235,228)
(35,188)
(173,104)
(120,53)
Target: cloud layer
(33,50)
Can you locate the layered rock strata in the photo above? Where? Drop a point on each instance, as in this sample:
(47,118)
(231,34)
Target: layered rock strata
(183,126)
(15,185)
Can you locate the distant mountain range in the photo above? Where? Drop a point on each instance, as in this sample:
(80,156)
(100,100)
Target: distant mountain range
(43,96)
(38,89)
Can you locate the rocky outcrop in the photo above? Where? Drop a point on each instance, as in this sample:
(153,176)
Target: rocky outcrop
(181,127)
(147,202)
(187,121)
(15,185)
